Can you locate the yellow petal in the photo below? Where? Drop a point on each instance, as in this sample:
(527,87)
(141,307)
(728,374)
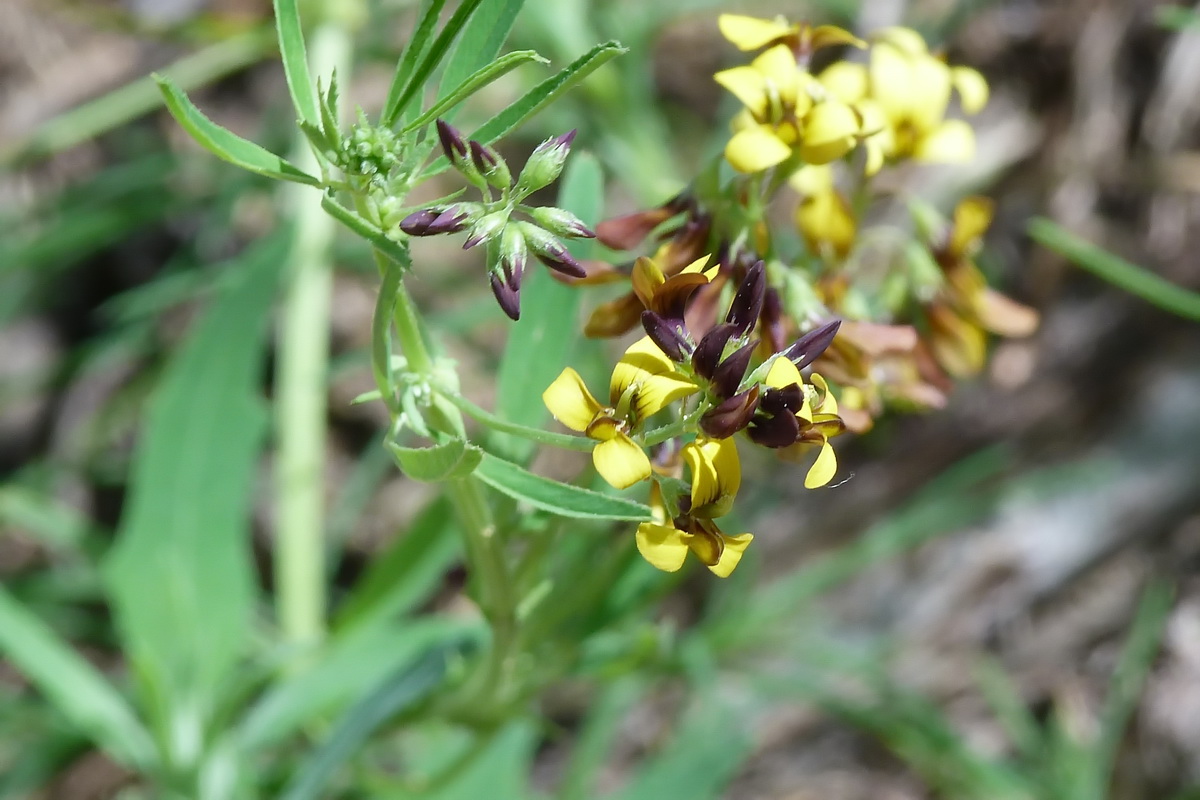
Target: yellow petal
(778,66)
(664,546)
(646,276)
(845,80)
(904,39)
(570,401)
(621,462)
(656,392)
(751,33)
(952,142)
(930,92)
(827,224)
(830,131)
(828,403)
(731,555)
(783,373)
(756,149)
(972,88)
(716,475)
(876,149)
(972,216)
(958,345)
(830,35)
(748,85)
(697,265)
(823,469)
(1003,315)
(812,179)
(891,72)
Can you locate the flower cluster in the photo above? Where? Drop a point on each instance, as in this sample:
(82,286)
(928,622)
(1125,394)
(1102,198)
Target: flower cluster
(714,382)
(786,341)
(490,222)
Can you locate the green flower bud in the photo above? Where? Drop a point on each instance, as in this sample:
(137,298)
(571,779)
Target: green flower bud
(545,164)
(487,228)
(561,223)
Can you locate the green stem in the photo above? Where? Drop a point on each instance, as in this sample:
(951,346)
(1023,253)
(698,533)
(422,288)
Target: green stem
(138,97)
(302,382)
(561,440)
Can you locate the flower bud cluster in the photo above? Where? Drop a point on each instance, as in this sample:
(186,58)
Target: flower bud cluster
(510,230)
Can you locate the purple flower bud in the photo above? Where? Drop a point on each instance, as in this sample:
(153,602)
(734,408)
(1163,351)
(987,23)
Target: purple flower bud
(486,229)
(490,165)
(452,220)
(710,349)
(508,296)
(669,338)
(783,399)
(729,373)
(809,347)
(550,251)
(748,302)
(730,416)
(452,142)
(419,223)
(779,430)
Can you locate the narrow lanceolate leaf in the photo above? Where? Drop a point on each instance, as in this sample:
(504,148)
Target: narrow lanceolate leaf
(225,144)
(473,83)
(72,685)
(479,42)
(538,347)
(366,229)
(555,497)
(295,60)
(451,459)
(180,576)
(420,74)
(417,45)
(1116,270)
(539,97)
(399,692)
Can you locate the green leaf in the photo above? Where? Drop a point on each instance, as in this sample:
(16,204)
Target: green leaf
(73,685)
(328,108)
(396,694)
(404,575)
(498,68)
(558,498)
(540,343)
(415,82)
(417,45)
(702,757)
(295,60)
(346,669)
(498,769)
(538,98)
(479,42)
(367,230)
(180,575)
(454,458)
(224,144)
(1117,271)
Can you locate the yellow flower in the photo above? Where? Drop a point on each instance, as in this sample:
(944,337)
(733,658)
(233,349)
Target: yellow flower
(752,33)
(643,383)
(909,89)
(817,419)
(716,477)
(824,218)
(781,115)
(966,307)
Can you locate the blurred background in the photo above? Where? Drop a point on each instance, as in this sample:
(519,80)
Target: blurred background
(996,600)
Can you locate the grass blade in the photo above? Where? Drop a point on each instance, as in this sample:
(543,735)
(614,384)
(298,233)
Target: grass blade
(295,60)
(1116,270)
(180,574)
(417,45)
(398,693)
(73,685)
(225,144)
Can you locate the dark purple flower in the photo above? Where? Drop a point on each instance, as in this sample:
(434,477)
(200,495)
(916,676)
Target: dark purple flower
(732,415)
(668,335)
(809,347)
(748,302)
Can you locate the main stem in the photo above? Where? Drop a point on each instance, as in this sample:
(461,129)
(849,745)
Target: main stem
(302,379)
(485,555)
